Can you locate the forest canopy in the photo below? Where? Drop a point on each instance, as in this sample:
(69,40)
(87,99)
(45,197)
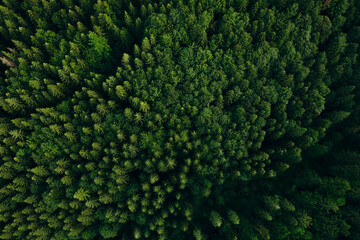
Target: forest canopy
(179,119)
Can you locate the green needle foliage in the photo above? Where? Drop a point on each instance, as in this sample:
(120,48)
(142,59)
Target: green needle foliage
(179,119)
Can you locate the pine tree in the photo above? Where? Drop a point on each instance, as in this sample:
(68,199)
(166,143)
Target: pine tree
(82,194)
(215,219)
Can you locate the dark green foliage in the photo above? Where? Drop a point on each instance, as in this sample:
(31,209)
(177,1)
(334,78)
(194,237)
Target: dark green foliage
(179,119)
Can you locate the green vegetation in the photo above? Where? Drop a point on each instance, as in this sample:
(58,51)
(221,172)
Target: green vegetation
(180,119)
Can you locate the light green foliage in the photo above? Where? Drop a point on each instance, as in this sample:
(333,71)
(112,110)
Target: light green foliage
(98,51)
(215,219)
(82,194)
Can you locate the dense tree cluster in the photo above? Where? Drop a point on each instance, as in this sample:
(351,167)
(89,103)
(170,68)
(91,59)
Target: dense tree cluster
(179,119)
